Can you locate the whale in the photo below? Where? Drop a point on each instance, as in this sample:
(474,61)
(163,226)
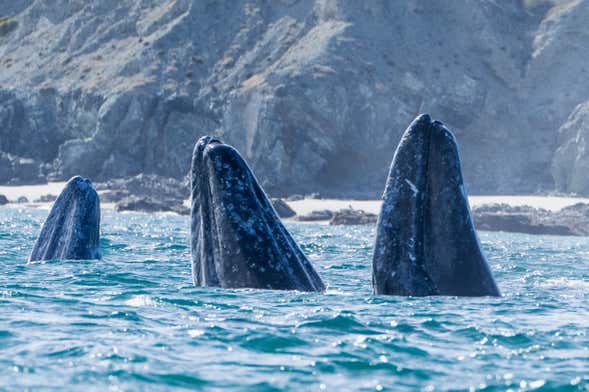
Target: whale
(426,243)
(237,238)
(72,228)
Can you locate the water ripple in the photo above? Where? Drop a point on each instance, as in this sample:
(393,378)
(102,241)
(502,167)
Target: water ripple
(133,321)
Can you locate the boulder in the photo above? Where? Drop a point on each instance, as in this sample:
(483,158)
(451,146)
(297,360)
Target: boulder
(146,193)
(295,197)
(150,205)
(22,200)
(282,208)
(3,200)
(315,216)
(113,196)
(46,199)
(145,185)
(570,221)
(350,216)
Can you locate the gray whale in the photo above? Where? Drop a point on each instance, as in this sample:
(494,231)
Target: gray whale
(426,243)
(72,229)
(237,238)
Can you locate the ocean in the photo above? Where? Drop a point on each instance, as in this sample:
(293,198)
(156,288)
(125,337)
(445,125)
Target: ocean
(134,321)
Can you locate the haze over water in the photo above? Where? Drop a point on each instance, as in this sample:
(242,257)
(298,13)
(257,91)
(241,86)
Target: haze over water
(133,321)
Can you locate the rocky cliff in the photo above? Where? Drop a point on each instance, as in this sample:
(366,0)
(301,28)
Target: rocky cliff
(314,93)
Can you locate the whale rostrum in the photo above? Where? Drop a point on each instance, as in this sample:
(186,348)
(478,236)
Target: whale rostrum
(238,241)
(72,228)
(426,243)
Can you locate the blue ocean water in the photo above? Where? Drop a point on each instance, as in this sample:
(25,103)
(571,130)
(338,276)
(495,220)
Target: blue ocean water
(133,321)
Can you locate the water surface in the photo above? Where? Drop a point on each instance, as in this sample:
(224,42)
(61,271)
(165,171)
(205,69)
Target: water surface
(133,321)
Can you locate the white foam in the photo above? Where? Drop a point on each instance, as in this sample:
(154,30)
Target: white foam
(141,301)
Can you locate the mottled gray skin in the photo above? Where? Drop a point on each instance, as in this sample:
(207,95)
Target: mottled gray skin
(237,238)
(72,229)
(426,243)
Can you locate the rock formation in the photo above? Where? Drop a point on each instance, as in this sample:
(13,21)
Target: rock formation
(146,193)
(569,221)
(282,208)
(350,216)
(570,166)
(315,93)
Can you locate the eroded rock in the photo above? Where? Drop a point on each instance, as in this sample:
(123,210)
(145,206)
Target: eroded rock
(46,199)
(569,221)
(570,164)
(150,185)
(350,216)
(282,208)
(149,204)
(131,97)
(315,216)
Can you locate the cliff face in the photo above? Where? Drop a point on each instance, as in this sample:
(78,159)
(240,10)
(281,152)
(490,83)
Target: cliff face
(315,93)
(559,81)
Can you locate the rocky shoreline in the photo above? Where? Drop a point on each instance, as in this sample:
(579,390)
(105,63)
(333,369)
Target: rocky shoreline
(569,221)
(315,96)
(152,193)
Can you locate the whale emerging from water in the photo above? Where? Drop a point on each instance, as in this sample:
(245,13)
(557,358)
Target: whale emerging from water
(237,238)
(72,229)
(426,243)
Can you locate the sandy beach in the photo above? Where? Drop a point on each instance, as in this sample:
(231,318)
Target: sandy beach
(551,203)
(31,192)
(305,206)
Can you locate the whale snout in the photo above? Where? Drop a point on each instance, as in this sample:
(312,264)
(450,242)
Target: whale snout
(72,228)
(217,151)
(82,188)
(205,141)
(237,239)
(225,164)
(199,149)
(80,182)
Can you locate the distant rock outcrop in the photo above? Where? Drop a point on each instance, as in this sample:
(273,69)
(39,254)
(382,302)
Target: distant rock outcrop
(315,216)
(46,199)
(149,204)
(571,221)
(352,216)
(315,93)
(150,185)
(282,208)
(146,193)
(346,216)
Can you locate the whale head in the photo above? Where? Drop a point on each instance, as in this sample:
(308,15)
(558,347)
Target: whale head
(72,229)
(237,238)
(426,242)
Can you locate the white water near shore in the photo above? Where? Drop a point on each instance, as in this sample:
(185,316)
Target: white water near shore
(305,206)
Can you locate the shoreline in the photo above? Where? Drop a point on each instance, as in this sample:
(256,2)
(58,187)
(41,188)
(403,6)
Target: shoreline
(550,203)
(305,206)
